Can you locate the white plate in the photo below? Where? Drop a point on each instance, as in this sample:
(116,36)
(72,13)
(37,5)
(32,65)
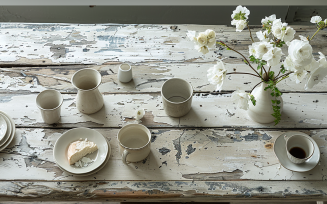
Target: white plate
(10,133)
(3,127)
(280,151)
(61,147)
(95,170)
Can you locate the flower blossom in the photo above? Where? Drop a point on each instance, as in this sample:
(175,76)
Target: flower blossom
(203,41)
(315,19)
(288,34)
(240,24)
(268,19)
(273,56)
(139,114)
(217,74)
(242,98)
(318,74)
(300,52)
(241,13)
(261,49)
(262,36)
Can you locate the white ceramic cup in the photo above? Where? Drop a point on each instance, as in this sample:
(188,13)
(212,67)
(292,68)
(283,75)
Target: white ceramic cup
(49,102)
(89,99)
(134,142)
(125,73)
(177,96)
(299,148)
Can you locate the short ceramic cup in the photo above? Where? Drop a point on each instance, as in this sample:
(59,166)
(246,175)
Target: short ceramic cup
(300,144)
(177,96)
(125,73)
(49,102)
(134,142)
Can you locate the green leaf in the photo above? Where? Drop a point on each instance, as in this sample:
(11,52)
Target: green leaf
(253,99)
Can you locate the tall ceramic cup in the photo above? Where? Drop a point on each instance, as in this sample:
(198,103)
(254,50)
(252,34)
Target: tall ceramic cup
(299,148)
(177,96)
(89,99)
(49,102)
(134,142)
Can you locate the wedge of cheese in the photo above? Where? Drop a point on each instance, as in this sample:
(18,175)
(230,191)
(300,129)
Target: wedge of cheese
(77,150)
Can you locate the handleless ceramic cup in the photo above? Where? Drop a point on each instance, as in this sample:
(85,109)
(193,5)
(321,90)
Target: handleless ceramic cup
(125,73)
(49,102)
(134,142)
(299,148)
(177,96)
(89,99)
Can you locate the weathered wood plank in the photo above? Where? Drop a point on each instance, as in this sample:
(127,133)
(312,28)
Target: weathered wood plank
(48,44)
(166,191)
(178,154)
(146,78)
(301,110)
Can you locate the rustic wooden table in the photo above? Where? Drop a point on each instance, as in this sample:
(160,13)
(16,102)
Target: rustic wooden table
(215,153)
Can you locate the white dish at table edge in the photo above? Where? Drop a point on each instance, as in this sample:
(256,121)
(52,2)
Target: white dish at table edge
(10,134)
(95,170)
(61,147)
(3,126)
(280,152)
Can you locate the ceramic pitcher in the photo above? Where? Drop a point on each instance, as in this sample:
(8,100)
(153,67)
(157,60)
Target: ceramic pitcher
(89,99)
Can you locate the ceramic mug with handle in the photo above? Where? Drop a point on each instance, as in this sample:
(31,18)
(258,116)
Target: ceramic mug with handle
(299,148)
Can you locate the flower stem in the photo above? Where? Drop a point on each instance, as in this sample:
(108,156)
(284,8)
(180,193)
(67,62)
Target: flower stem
(247,23)
(315,33)
(284,75)
(255,86)
(242,73)
(244,59)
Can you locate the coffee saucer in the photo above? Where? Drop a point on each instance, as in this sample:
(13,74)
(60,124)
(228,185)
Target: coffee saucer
(3,127)
(280,151)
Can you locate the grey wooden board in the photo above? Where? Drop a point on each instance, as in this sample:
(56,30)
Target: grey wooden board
(176,154)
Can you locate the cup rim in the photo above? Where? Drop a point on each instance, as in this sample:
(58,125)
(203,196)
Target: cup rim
(303,159)
(86,89)
(120,69)
(138,148)
(191,95)
(47,109)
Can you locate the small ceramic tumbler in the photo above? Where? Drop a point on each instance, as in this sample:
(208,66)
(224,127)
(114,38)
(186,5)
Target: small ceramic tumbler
(177,97)
(125,73)
(89,99)
(49,102)
(134,142)
(299,148)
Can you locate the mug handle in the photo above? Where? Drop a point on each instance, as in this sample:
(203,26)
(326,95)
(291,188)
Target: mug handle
(124,155)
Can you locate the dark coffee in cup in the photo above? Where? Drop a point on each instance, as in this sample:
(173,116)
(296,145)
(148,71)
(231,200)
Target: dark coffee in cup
(298,152)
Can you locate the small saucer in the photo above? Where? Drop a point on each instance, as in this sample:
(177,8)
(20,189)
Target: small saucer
(10,134)
(3,127)
(280,151)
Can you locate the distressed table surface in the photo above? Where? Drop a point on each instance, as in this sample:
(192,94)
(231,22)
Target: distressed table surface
(214,153)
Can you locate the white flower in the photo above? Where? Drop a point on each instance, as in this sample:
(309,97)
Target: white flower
(300,52)
(139,114)
(297,76)
(191,35)
(203,49)
(318,74)
(303,38)
(202,39)
(243,11)
(211,37)
(242,98)
(262,36)
(240,24)
(273,56)
(270,18)
(216,75)
(252,48)
(289,34)
(315,19)
(262,48)
(276,28)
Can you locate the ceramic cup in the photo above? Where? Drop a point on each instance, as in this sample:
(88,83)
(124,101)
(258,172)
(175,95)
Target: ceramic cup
(299,148)
(49,102)
(125,73)
(89,99)
(177,96)
(134,142)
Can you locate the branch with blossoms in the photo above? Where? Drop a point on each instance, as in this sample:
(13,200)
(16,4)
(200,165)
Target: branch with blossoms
(267,55)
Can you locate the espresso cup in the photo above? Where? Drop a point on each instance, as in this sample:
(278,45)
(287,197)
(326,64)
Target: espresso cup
(177,96)
(49,102)
(134,142)
(125,73)
(299,148)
